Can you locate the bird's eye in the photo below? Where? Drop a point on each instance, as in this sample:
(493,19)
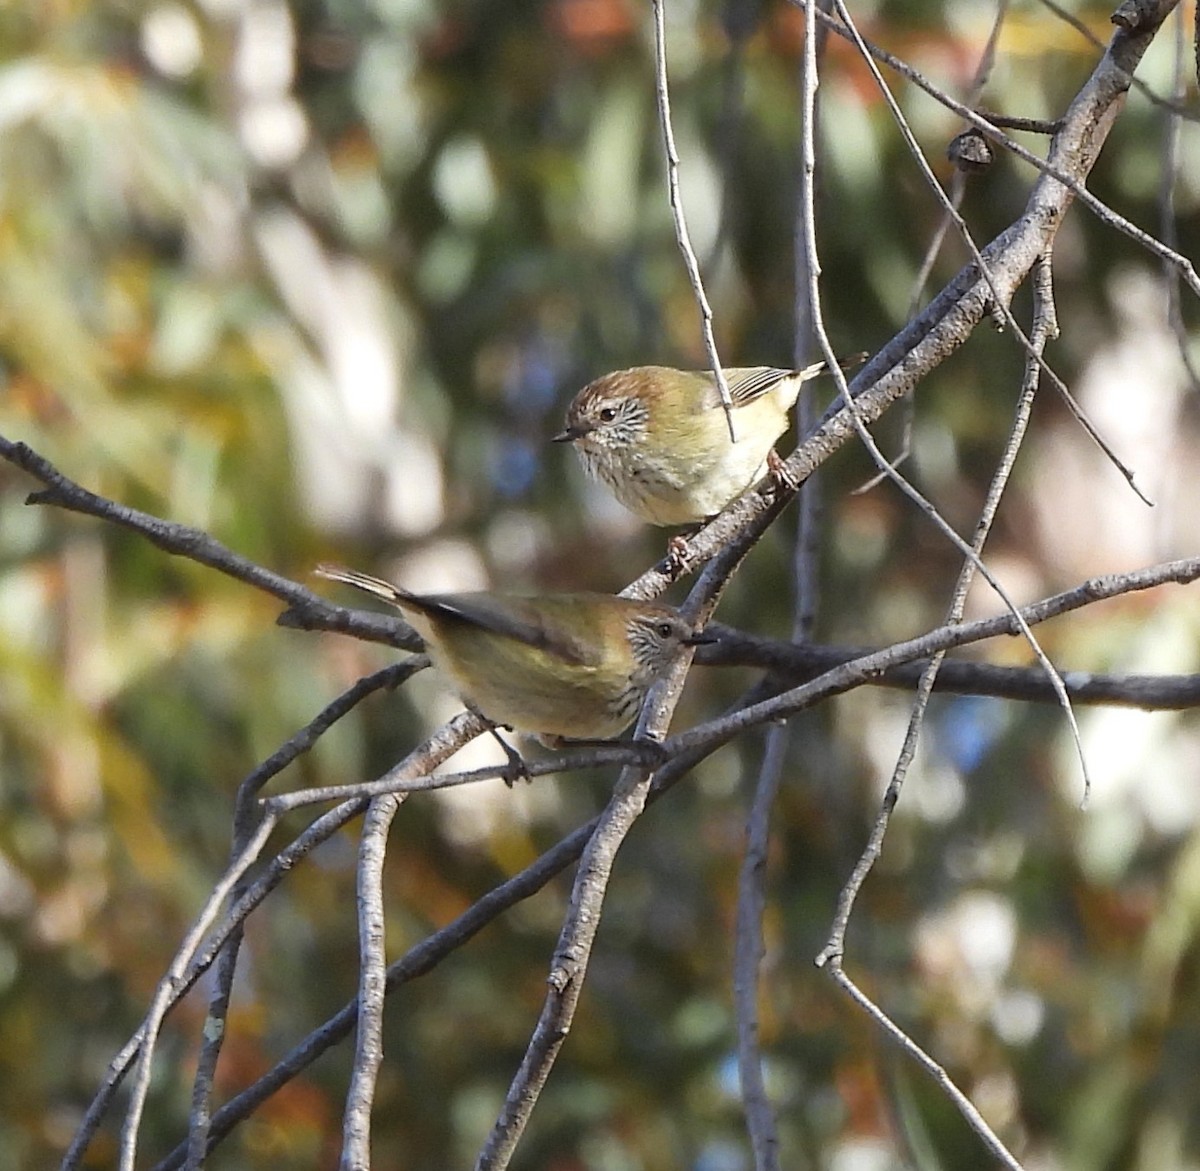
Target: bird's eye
(665,630)
(607,414)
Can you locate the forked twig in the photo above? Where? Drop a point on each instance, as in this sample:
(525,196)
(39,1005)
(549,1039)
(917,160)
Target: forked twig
(246,819)
(1043,327)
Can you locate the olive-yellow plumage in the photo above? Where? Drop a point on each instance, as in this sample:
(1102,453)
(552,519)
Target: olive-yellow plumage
(659,438)
(559,666)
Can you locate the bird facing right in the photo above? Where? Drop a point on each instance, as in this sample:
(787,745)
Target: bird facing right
(557,666)
(658,438)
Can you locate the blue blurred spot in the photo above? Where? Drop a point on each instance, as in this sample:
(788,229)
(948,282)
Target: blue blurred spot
(533,380)
(729,1077)
(968,728)
(721,1155)
(514,465)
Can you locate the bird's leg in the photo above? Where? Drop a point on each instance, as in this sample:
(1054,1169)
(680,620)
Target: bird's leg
(777,468)
(677,549)
(516,769)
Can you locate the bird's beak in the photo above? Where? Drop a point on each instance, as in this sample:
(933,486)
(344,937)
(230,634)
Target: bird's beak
(570,433)
(701,638)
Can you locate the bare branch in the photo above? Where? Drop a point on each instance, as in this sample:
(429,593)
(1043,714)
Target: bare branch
(676,199)
(168,991)
(246,819)
(307,611)
(799,662)
(419,960)
(372,984)
(963,1104)
(852,674)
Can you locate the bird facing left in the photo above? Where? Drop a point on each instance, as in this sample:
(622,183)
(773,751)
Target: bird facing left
(572,666)
(659,439)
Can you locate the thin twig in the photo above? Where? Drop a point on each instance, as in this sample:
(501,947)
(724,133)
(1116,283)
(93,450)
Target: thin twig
(903,484)
(958,189)
(1014,122)
(964,1105)
(676,199)
(1168,226)
(166,994)
(572,761)
(1043,327)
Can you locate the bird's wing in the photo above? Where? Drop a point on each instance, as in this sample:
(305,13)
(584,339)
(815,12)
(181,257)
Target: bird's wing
(748,383)
(513,617)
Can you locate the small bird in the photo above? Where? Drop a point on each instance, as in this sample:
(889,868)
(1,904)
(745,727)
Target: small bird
(557,666)
(659,437)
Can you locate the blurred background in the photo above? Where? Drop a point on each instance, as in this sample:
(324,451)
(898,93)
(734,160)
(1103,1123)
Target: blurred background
(320,277)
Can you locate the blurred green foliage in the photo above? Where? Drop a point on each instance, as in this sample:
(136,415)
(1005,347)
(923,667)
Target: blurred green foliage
(320,278)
